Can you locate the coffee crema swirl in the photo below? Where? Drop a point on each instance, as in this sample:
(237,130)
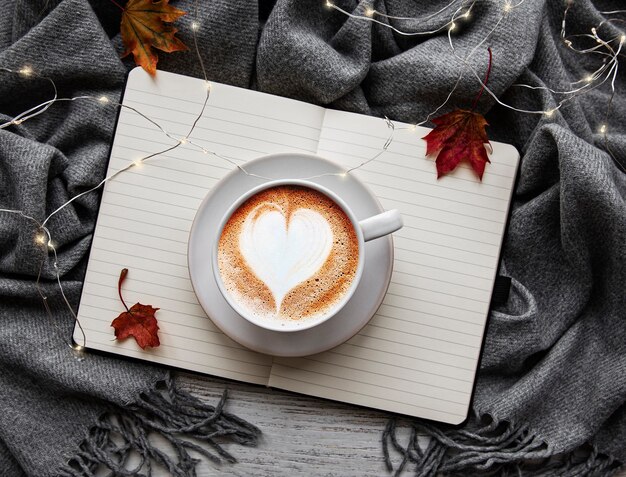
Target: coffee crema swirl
(288,253)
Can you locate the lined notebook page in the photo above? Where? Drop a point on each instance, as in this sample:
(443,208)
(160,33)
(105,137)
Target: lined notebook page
(419,353)
(146,213)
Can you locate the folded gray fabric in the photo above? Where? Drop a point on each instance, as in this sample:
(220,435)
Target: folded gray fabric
(550,397)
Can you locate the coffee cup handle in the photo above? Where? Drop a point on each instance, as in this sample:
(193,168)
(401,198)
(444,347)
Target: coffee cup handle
(381,224)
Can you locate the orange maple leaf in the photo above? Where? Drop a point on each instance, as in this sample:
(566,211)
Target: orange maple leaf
(458,135)
(142,28)
(138,321)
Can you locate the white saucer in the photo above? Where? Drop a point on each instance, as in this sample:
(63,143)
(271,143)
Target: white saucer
(350,319)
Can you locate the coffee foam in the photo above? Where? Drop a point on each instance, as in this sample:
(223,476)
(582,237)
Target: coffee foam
(288,253)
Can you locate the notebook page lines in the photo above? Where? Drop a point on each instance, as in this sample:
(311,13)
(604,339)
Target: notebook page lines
(420,351)
(146,214)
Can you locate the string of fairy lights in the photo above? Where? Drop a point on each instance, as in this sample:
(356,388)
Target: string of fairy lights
(370,14)
(43,237)
(608,50)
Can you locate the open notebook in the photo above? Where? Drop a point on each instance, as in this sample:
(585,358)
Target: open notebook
(419,353)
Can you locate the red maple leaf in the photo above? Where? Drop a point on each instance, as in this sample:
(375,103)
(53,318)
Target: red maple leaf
(458,135)
(138,321)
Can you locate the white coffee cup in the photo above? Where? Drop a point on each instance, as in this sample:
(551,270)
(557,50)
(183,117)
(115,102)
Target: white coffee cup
(365,230)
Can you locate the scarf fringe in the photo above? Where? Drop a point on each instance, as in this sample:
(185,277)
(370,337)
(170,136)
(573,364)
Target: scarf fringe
(176,416)
(501,449)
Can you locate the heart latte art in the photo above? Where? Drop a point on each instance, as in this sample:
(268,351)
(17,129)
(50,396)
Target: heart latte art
(288,253)
(282,256)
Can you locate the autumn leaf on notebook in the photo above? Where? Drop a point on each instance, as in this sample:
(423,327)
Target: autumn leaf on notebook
(460,135)
(137,321)
(143,28)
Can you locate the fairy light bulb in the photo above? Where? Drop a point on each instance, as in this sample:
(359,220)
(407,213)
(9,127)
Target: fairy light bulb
(40,239)
(329,4)
(603,129)
(589,79)
(369,12)
(78,351)
(195,26)
(138,163)
(51,245)
(207,85)
(452,26)
(183,140)
(508,7)
(549,113)
(467,14)
(26,71)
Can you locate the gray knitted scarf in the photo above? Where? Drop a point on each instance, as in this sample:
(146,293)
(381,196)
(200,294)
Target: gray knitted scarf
(551,392)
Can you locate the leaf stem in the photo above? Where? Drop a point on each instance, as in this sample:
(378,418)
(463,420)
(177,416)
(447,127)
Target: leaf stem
(118,6)
(482,86)
(123,274)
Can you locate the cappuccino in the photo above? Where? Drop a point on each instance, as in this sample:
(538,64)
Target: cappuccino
(288,253)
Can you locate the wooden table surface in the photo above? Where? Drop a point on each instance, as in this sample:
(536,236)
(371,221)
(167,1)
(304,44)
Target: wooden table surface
(302,435)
